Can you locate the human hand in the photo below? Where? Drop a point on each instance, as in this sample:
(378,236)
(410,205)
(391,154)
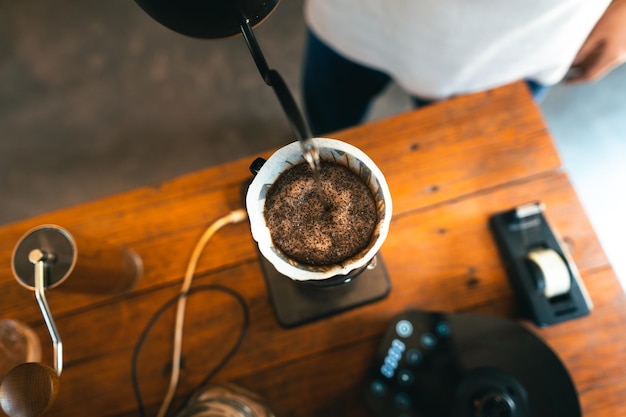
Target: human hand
(605,47)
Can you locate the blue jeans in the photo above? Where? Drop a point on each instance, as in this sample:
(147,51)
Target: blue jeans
(338,93)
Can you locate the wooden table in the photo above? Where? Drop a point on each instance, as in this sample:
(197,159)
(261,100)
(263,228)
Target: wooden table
(449,167)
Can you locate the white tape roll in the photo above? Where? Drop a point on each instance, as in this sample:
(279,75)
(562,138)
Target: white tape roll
(555,272)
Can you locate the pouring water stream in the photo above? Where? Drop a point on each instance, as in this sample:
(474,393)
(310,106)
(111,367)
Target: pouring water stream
(297,121)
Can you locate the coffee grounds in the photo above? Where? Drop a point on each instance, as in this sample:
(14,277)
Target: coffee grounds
(314,233)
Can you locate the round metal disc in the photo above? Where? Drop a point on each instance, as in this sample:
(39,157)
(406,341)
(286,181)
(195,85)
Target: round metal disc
(52,240)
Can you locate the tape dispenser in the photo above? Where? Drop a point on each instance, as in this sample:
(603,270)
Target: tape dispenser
(545,280)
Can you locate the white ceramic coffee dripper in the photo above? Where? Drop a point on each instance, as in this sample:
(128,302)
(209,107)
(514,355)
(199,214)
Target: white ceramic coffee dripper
(331,150)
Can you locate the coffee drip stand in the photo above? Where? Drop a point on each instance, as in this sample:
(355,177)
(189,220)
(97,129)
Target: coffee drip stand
(298,302)
(294,302)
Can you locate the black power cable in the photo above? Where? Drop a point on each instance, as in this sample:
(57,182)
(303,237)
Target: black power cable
(144,334)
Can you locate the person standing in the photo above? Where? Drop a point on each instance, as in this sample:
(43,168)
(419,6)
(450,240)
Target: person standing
(435,49)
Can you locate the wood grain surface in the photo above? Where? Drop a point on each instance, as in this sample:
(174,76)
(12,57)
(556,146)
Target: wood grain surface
(449,167)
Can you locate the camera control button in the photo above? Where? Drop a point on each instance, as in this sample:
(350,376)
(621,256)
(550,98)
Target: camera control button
(413,357)
(378,388)
(428,341)
(405,377)
(404,328)
(442,329)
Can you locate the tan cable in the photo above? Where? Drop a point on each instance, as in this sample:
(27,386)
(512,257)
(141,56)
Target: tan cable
(233,217)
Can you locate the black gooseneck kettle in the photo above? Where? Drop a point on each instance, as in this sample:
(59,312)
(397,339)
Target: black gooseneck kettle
(207,19)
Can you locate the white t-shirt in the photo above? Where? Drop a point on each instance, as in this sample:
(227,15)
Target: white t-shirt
(439,48)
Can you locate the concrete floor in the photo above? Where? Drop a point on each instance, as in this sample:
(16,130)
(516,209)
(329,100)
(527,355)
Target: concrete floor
(97,98)
(588,123)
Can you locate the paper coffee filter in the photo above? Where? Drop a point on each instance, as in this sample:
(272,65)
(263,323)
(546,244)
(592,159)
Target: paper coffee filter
(329,150)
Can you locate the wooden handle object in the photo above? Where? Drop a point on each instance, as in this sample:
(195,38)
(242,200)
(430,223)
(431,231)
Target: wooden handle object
(28,390)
